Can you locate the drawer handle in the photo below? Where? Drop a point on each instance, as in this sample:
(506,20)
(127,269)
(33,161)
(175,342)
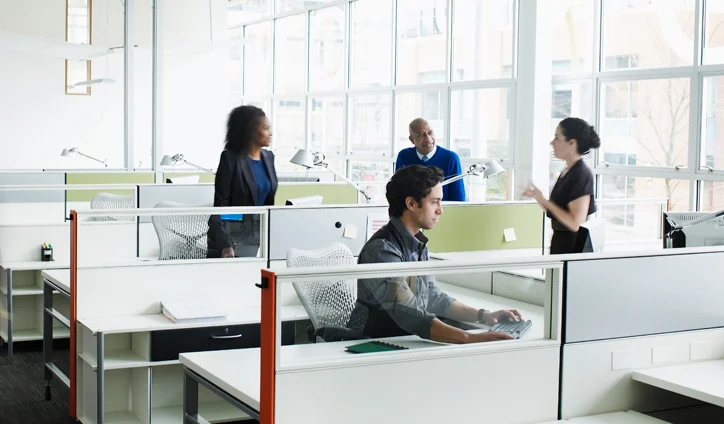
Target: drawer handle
(232,336)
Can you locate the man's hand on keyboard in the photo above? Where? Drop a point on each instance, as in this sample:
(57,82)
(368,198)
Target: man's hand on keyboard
(489,336)
(502,315)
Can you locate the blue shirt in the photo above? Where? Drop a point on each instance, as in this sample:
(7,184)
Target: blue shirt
(444,159)
(263,183)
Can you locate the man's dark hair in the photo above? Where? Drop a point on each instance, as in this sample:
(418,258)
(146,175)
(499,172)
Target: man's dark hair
(241,127)
(414,181)
(584,134)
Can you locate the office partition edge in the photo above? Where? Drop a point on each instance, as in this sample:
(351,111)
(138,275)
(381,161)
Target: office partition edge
(268,345)
(73,307)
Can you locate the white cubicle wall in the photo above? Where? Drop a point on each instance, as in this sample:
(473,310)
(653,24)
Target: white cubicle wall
(633,311)
(482,380)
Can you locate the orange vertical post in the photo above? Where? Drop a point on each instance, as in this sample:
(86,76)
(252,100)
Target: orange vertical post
(73,306)
(267,346)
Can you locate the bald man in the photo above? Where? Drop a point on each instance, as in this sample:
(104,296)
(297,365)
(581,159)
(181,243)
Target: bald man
(425,152)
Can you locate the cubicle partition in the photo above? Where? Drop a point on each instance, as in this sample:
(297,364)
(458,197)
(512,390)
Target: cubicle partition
(481,380)
(625,312)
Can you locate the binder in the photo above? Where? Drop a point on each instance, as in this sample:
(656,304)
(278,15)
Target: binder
(374,346)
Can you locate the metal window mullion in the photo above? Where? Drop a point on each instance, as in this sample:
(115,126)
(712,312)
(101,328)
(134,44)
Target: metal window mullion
(395,13)
(274,58)
(644,74)
(644,172)
(157,88)
(128,86)
(308,46)
(449,41)
(516,40)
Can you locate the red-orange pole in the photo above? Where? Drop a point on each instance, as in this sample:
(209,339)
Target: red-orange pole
(73,306)
(267,347)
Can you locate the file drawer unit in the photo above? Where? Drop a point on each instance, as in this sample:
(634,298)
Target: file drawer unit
(133,375)
(21,302)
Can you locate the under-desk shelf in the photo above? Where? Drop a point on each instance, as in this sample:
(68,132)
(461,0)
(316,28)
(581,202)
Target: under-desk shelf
(120,359)
(216,412)
(36,334)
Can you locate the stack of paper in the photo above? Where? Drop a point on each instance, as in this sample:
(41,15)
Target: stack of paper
(189,312)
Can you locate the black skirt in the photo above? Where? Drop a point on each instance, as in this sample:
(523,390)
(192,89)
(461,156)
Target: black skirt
(563,242)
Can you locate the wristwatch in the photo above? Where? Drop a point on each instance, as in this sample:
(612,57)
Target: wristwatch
(480,315)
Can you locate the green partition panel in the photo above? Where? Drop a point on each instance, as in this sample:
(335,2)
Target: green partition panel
(204,177)
(332,193)
(480,227)
(104,178)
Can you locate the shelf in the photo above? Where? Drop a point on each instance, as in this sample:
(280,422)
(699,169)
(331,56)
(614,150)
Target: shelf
(216,412)
(35,334)
(120,359)
(27,291)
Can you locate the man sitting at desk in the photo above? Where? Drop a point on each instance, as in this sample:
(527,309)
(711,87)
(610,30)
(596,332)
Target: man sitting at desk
(397,306)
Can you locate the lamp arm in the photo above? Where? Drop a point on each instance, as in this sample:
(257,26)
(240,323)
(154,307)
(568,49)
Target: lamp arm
(199,167)
(347,180)
(92,158)
(700,220)
(473,170)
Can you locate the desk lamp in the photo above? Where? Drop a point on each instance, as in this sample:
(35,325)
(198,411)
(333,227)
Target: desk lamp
(179,158)
(678,227)
(309,159)
(489,169)
(74,151)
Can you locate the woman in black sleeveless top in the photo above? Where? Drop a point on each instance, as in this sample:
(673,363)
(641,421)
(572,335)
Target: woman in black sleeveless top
(572,199)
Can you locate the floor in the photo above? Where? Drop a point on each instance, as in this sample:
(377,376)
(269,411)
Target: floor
(22,392)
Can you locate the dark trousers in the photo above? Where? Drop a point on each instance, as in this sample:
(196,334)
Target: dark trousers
(562,242)
(245,236)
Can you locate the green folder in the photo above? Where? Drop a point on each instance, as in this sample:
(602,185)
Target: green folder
(374,346)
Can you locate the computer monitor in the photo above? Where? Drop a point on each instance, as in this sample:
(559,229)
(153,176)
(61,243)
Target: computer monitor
(707,233)
(305,201)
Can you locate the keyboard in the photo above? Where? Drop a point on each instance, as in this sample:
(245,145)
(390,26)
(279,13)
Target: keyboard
(514,328)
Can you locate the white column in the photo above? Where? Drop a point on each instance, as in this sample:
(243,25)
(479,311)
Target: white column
(533,96)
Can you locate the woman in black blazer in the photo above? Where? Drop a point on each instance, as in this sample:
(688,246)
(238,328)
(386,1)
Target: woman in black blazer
(245,177)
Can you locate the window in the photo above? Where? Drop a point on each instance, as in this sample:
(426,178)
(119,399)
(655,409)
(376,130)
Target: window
(421,40)
(480,126)
(572,21)
(290,54)
(326,129)
(327,61)
(713,39)
(371,43)
(78,31)
(369,124)
(562,98)
(428,105)
(257,50)
(240,11)
(288,129)
(712,140)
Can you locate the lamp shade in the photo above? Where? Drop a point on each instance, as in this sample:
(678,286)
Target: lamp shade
(303,158)
(492,169)
(65,152)
(167,161)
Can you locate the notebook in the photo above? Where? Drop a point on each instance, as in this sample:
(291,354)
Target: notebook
(374,346)
(187,312)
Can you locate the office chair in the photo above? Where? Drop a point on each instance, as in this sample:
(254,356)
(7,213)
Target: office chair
(329,304)
(180,236)
(113,201)
(591,236)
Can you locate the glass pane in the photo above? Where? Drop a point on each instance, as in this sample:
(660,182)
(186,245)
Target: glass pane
(326,129)
(371,171)
(235,66)
(567,100)
(645,123)
(645,34)
(327,59)
(240,11)
(288,128)
(572,35)
(371,43)
(429,105)
(290,54)
(421,41)
(711,195)
(369,124)
(712,153)
(284,6)
(482,39)
(257,59)
(480,189)
(714,32)
(480,123)
(639,221)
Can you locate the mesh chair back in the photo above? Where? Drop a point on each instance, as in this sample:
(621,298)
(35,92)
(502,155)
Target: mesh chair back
(113,201)
(181,236)
(328,303)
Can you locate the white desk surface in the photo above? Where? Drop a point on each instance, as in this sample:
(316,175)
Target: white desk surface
(59,277)
(626,417)
(34,265)
(484,254)
(698,380)
(492,302)
(158,322)
(234,371)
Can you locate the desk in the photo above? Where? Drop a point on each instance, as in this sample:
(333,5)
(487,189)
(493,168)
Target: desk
(698,380)
(626,417)
(21,286)
(54,281)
